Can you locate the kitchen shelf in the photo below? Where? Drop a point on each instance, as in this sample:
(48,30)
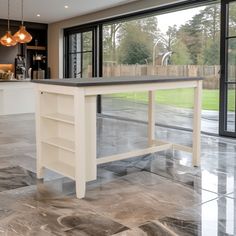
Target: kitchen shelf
(61,168)
(60,117)
(61,143)
(39,48)
(57,132)
(58,106)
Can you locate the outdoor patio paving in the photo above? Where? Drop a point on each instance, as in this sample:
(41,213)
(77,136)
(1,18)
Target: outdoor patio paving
(165,115)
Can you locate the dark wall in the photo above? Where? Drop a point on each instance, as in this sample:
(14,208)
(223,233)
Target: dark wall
(7,54)
(38,31)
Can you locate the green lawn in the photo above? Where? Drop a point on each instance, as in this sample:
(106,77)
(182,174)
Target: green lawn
(183,98)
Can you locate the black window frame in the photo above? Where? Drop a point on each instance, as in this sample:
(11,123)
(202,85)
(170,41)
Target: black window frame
(98,25)
(75,30)
(223,115)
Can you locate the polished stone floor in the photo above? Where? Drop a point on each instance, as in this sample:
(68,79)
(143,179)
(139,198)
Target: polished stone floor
(152,195)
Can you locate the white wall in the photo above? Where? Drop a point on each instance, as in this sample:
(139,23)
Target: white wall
(55,30)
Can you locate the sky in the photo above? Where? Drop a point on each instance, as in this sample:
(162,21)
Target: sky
(176,18)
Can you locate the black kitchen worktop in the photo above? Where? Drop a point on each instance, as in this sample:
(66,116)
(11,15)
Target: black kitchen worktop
(99,81)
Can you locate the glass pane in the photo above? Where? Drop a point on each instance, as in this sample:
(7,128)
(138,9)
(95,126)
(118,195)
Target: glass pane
(75,65)
(80,55)
(74,43)
(87,65)
(232,59)
(231,108)
(164,45)
(232,19)
(87,41)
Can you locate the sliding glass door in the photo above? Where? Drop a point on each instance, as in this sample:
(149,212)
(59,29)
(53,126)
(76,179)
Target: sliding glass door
(228,69)
(80,53)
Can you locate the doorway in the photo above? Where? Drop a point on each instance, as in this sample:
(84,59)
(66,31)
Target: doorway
(80,53)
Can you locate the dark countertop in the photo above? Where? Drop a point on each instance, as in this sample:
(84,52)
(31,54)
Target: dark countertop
(82,82)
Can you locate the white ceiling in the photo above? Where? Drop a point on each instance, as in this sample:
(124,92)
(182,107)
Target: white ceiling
(54,10)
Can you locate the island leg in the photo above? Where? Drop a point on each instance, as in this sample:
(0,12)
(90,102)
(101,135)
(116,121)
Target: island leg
(91,137)
(197,124)
(151,117)
(80,162)
(40,168)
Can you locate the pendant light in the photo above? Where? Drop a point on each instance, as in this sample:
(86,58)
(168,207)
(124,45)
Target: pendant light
(22,36)
(8,40)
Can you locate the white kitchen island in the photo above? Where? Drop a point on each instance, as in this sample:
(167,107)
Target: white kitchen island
(16,97)
(66,123)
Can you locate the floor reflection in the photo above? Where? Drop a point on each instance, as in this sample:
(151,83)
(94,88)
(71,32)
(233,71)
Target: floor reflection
(165,114)
(158,194)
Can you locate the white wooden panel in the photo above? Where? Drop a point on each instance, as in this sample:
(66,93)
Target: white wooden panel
(91,137)
(17,98)
(80,148)
(135,153)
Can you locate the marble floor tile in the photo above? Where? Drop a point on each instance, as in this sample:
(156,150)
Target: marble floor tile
(26,162)
(109,209)
(197,178)
(28,213)
(132,232)
(213,218)
(158,194)
(170,168)
(15,177)
(138,197)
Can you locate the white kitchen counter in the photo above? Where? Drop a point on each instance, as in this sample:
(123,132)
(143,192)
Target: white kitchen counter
(16,97)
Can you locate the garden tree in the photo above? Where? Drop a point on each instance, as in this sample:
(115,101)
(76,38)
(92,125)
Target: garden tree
(136,53)
(211,21)
(168,39)
(212,53)
(110,41)
(191,35)
(232,54)
(201,34)
(232,19)
(87,46)
(134,46)
(149,26)
(180,54)
(232,41)
(136,40)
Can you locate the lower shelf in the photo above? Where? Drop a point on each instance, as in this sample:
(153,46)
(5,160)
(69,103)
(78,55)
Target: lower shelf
(60,143)
(61,168)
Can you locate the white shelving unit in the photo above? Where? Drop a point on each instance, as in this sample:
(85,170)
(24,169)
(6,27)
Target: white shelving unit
(58,160)
(57,127)
(63,137)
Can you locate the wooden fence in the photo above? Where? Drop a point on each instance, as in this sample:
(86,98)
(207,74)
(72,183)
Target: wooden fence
(210,73)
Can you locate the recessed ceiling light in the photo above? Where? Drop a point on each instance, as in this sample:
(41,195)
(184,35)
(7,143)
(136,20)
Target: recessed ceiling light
(38,15)
(66,6)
